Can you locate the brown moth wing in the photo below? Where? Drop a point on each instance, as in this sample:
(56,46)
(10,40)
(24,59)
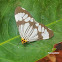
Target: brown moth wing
(40,37)
(23,17)
(22,10)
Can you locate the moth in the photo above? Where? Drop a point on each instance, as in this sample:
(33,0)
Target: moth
(29,29)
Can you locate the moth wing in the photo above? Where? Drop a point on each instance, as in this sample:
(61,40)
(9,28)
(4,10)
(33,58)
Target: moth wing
(30,29)
(42,32)
(24,21)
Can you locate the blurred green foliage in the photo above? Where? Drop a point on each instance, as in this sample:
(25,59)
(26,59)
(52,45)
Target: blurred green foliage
(45,12)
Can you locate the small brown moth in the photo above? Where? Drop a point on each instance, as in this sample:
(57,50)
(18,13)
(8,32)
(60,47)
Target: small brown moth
(29,29)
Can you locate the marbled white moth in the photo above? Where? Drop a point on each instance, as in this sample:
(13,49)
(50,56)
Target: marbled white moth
(29,29)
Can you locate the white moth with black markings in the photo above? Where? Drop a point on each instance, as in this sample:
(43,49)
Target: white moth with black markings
(29,29)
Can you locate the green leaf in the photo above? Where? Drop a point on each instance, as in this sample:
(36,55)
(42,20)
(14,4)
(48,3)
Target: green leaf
(47,12)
